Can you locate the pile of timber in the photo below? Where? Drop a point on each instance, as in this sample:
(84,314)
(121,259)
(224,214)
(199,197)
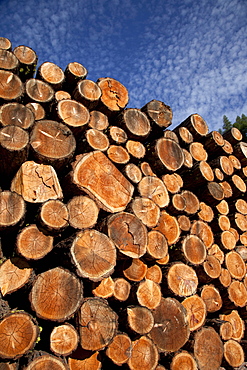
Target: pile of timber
(123,243)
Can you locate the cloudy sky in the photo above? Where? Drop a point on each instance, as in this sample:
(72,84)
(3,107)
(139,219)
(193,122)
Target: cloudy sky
(190,54)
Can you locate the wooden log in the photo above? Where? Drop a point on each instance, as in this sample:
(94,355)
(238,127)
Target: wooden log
(121,289)
(235,162)
(199,174)
(95,174)
(169,134)
(74,72)
(120,349)
(224,164)
(237,293)
(8,61)
(93,254)
(36,183)
(233,353)
(96,140)
(226,239)
(128,233)
(211,193)
(148,294)
(154,188)
(225,278)
(194,249)
(74,114)
(39,92)
(226,149)
(46,361)
(218,174)
(51,74)
(136,149)
(105,288)
(233,135)
(16,114)
(118,154)
(83,212)
(18,334)
(144,354)
(56,295)
(212,141)
(53,216)
(212,298)
(157,246)
(28,61)
(146,210)
(169,227)
(97,324)
(203,231)
(173,182)
(37,109)
(205,212)
(196,311)
(196,125)
(146,169)
(240,151)
(32,243)
(182,279)
(61,95)
(117,135)
(158,113)
(183,360)
(133,173)
(64,339)
(184,223)
(154,273)
(216,251)
(238,186)
(241,206)
(11,87)
(15,272)
(226,330)
(184,135)
(135,270)
(227,189)
(191,202)
(177,204)
(212,267)
(243,238)
(88,93)
(242,250)
(208,349)
(9,365)
(140,319)
(12,209)
(14,148)
(198,152)
(114,96)
(98,120)
(235,265)
(135,123)
(222,207)
(237,324)
(91,363)
(171,329)
(5,43)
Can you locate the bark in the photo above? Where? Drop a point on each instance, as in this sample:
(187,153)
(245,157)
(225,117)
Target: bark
(16,114)
(240,151)
(211,193)
(198,175)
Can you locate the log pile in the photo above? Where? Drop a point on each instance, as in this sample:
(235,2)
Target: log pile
(123,243)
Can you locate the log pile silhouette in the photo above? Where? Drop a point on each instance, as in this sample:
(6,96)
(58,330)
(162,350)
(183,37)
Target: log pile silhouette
(123,242)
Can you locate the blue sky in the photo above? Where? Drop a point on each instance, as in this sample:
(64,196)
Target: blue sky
(190,54)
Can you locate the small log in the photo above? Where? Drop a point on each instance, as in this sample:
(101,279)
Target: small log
(11,87)
(114,96)
(37,109)
(9,365)
(51,74)
(235,265)
(226,239)
(73,114)
(243,238)
(224,164)
(146,169)
(188,162)
(157,246)
(83,212)
(36,183)
(74,72)
(158,113)
(198,152)
(135,149)
(5,43)
(91,363)
(54,216)
(238,185)
(134,123)
(199,174)
(196,125)
(14,274)
(241,206)
(212,266)
(154,188)
(182,279)
(237,293)
(110,188)
(133,173)
(184,223)
(18,334)
(16,114)
(173,182)
(148,294)
(93,254)
(64,340)
(240,151)
(226,330)
(169,227)
(140,319)
(235,162)
(98,120)
(120,349)
(61,95)
(46,361)
(121,289)
(212,141)
(105,289)
(117,135)
(227,189)
(196,311)
(211,297)
(12,209)
(169,134)
(208,349)
(237,324)
(177,204)
(144,354)
(233,353)
(194,249)
(28,61)
(88,93)
(146,210)
(8,61)
(32,243)
(203,231)
(154,273)
(205,212)
(242,250)
(136,270)
(222,207)
(225,278)
(97,324)
(39,91)
(118,154)
(171,329)
(184,135)
(183,360)
(191,202)
(233,135)
(96,140)
(56,295)
(211,193)
(164,260)
(218,174)
(227,148)
(128,234)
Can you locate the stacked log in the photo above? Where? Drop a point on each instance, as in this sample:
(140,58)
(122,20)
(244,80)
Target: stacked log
(123,243)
